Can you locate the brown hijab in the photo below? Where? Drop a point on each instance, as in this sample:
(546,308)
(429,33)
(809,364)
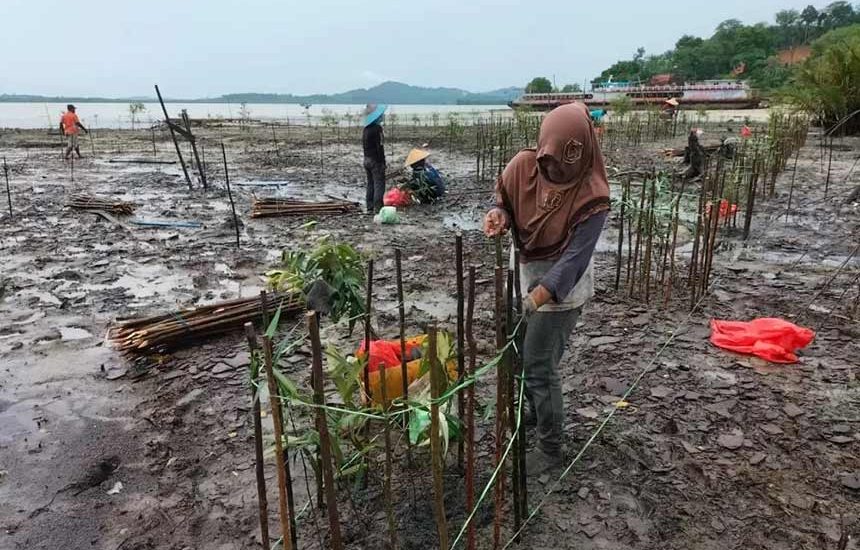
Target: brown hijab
(544,214)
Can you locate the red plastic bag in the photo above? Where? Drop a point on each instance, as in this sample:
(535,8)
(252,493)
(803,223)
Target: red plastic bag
(725,210)
(772,339)
(386,353)
(397,197)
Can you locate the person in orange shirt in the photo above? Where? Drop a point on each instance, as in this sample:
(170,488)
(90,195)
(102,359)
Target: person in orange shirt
(69,125)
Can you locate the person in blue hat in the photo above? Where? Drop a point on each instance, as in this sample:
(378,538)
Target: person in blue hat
(374,156)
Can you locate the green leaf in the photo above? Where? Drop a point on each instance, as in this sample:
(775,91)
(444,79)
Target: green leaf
(419,422)
(273,324)
(288,389)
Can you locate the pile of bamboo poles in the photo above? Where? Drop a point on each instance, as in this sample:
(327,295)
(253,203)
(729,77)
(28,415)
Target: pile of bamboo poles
(180,328)
(271,207)
(89,202)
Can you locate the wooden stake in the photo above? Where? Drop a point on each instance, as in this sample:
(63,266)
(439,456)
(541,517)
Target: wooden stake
(322,430)
(404,370)
(436,372)
(791,188)
(283,503)
(258,443)
(620,238)
(173,137)
(230,194)
(201,170)
(367,331)
(8,191)
(507,369)
(461,358)
(501,408)
(470,411)
(518,370)
(386,488)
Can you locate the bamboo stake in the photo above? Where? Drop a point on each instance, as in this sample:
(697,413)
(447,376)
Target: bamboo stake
(669,281)
(173,137)
(640,215)
(791,187)
(8,191)
(283,503)
(230,194)
(262,499)
(512,412)
(386,489)
(620,239)
(435,440)
(322,430)
(518,373)
(461,359)
(404,371)
(367,331)
(650,241)
(470,410)
(501,409)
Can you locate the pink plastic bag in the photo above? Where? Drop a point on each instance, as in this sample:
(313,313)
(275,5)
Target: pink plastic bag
(772,339)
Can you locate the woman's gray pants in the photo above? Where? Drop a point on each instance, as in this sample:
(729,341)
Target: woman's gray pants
(545,341)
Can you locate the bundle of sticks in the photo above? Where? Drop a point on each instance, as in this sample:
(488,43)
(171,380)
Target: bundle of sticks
(180,328)
(270,207)
(89,202)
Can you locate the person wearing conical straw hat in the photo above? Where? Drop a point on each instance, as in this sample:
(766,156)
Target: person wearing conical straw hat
(427,184)
(374,156)
(670,107)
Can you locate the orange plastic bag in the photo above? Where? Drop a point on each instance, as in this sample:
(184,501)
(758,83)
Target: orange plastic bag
(386,354)
(772,339)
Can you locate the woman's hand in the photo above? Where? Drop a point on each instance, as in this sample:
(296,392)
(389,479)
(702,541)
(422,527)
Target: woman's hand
(495,222)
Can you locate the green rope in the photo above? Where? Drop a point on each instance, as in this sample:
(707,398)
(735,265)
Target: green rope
(609,416)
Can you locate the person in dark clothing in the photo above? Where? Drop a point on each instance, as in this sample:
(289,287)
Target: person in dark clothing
(374,157)
(426,183)
(694,155)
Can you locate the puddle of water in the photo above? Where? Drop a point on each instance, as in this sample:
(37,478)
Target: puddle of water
(461,220)
(74,333)
(436,304)
(146,281)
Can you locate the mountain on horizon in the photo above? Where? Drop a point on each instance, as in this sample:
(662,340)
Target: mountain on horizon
(396,93)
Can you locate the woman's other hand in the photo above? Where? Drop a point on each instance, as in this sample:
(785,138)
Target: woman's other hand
(495,222)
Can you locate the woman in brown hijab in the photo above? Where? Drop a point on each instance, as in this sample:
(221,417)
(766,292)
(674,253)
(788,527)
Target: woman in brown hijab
(555,200)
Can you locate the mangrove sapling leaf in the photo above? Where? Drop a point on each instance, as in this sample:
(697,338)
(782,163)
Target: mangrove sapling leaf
(273,324)
(344,372)
(419,423)
(288,388)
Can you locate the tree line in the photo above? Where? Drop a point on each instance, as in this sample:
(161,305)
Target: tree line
(738,50)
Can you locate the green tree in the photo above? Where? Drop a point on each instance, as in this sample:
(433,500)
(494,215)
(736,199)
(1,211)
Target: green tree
(809,15)
(539,85)
(571,88)
(839,14)
(788,22)
(827,85)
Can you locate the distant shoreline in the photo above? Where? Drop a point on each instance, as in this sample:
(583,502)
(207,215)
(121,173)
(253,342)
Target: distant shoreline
(39,99)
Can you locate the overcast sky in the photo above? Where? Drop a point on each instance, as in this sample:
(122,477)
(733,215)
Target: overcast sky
(198,48)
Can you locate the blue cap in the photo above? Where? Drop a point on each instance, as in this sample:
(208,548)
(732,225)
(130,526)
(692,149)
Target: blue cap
(374,113)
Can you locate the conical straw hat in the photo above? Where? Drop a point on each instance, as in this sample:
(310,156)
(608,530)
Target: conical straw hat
(415,155)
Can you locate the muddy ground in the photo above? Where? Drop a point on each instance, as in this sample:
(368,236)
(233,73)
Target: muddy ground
(716,450)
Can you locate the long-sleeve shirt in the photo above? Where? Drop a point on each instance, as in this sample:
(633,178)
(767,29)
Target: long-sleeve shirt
(569,279)
(371,141)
